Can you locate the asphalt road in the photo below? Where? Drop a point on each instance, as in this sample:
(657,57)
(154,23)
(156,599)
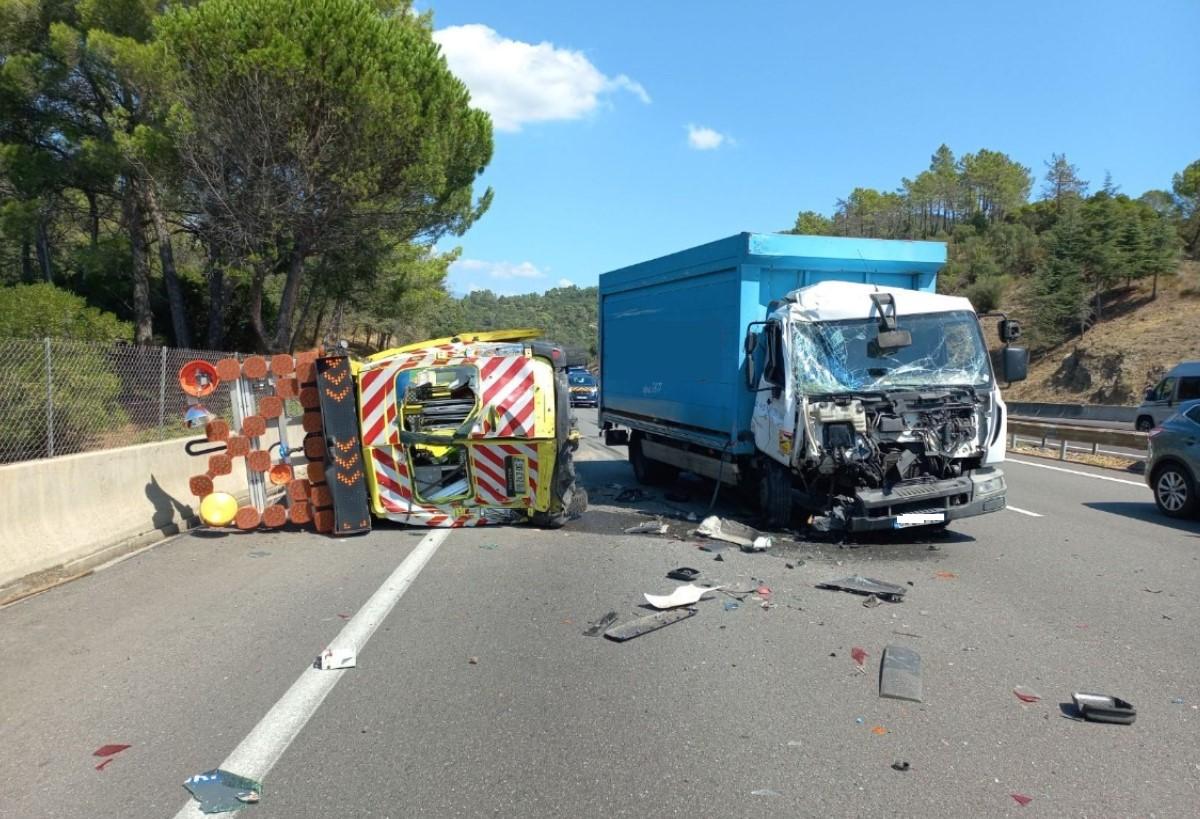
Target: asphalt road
(183,649)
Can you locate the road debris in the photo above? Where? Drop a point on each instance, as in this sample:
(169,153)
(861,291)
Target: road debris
(647,624)
(109,752)
(472,661)
(489,546)
(879,730)
(945,575)
(682,596)
(795,743)
(900,674)
(1104,708)
(765,792)
(731,605)
(600,625)
(858,584)
(730,531)
(1026,695)
(684,573)
(871,601)
(335,657)
(1153,591)
(1021,799)
(220,791)
(650,527)
(900,765)
(859,655)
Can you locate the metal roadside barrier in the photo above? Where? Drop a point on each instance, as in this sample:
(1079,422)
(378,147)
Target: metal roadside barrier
(1064,434)
(1080,412)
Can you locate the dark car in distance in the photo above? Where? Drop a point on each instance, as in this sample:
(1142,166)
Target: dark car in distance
(585,390)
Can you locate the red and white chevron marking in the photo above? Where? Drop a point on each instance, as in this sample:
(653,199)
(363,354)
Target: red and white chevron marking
(507,389)
(378,388)
(395,493)
(487,462)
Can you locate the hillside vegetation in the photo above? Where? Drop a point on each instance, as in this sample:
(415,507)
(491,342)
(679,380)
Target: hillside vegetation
(1115,360)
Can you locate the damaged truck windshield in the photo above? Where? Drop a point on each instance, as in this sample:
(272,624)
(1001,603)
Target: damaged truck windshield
(843,356)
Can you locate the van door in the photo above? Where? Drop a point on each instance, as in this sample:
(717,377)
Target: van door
(1157,406)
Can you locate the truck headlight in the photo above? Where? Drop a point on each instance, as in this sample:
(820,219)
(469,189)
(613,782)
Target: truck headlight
(990,486)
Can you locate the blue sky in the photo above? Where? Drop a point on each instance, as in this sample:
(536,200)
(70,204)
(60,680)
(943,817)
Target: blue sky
(790,105)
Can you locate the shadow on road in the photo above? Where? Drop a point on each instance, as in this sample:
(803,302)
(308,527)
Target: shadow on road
(618,501)
(1147,512)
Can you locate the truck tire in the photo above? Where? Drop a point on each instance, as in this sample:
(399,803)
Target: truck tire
(1144,424)
(775,494)
(648,471)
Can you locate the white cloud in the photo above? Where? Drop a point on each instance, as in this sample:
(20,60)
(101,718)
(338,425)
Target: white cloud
(497,270)
(565,283)
(518,82)
(705,139)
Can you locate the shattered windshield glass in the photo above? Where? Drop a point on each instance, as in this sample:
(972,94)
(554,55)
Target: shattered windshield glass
(840,356)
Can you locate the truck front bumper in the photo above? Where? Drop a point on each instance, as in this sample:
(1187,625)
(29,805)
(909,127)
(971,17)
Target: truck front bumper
(936,502)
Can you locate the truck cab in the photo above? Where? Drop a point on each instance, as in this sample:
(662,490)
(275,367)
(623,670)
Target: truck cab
(877,407)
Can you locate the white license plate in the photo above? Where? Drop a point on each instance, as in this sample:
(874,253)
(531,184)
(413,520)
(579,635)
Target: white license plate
(919,519)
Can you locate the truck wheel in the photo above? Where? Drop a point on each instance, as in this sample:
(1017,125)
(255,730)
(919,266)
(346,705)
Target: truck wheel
(647,470)
(775,494)
(1144,424)
(1174,491)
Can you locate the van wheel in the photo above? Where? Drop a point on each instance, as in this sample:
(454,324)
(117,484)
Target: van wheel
(569,500)
(1174,491)
(775,494)
(648,471)
(1144,424)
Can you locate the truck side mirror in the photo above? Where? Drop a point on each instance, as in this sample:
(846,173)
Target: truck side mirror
(1015,362)
(1010,330)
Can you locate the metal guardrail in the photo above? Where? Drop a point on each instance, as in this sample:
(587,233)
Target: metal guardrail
(1081,412)
(1064,434)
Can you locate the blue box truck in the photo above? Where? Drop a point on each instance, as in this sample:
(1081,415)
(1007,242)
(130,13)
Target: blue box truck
(823,374)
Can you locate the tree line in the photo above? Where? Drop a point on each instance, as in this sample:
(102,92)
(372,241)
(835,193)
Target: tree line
(235,174)
(1065,251)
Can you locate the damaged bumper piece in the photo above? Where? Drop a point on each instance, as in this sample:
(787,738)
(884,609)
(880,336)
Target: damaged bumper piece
(920,503)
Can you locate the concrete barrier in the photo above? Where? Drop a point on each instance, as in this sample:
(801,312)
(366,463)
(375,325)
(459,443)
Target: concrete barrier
(1081,412)
(60,517)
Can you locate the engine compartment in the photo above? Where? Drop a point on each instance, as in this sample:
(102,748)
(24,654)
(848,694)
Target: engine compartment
(878,440)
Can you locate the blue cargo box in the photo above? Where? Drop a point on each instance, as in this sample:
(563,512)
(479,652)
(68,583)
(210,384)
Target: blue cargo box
(671,329)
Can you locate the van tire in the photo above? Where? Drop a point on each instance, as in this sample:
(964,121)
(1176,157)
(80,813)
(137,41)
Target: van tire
(648,471)
(1144,423)
(568,499)
(775,494)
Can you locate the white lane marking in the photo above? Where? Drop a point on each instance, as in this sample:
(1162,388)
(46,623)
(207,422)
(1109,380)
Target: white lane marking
(1023,511)
(1077,472)
(260,750)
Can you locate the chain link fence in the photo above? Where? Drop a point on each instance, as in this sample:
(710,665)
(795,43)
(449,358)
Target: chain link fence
(61,397)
